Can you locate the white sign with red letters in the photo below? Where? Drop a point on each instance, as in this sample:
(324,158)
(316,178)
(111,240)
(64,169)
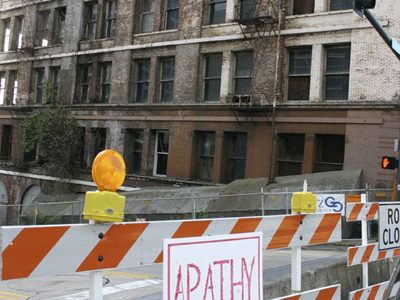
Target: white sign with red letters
(213,267)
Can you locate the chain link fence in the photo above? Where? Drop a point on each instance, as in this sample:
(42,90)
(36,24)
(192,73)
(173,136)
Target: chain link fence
(188,207)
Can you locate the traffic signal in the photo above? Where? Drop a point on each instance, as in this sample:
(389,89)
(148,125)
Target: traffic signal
(389,163)
(364,4)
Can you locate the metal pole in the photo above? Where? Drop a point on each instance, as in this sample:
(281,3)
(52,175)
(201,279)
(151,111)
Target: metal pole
(35,215)
(364,240)
(96,281)
(397,188)
(72,213)
(296,260)
(382,32)
(287,200)
(80,212)
(194,209)
(262,201)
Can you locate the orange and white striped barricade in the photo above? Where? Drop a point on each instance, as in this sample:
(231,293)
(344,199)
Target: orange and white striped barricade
(374,292)
(64,249)
(362,211)
(369,253)
(326,293)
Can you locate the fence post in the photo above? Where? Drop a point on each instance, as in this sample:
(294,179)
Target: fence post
(194,209)
(262,201)
(72,213)
(286,199)
(35,215)
(80,211)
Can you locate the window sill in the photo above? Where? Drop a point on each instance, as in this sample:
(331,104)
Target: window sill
(219,25)
(97,40)
(319,14)
(154,32)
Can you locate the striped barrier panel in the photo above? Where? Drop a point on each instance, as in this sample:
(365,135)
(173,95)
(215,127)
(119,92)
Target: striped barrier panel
(374,292)
(364,254)
(326,293)
(65,249)
(362,211)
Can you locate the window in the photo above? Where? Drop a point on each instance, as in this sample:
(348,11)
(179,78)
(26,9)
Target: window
(146,15)
(167,79)
(161,153)
(39,73)
(329,155)
(85,82)
(236,147)
(337,73)
(244,68)
(248,9)
(42,31)
(5,44)
(91,20)
(212,77)
(105,82)
(13,78)
(6,141)
(59,25)
(55,82)
(97,142)
(19,32)
(341,4)
(111,18)
(206,149)
(217,11)
(142,80)
(172,14)
(299,74)
(2,88)
(291,154)
(133,150)
(301,7)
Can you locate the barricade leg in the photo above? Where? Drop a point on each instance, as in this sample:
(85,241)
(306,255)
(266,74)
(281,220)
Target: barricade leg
(96,285)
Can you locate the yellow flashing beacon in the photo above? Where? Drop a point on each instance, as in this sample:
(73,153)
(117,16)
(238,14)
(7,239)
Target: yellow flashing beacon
(108,172)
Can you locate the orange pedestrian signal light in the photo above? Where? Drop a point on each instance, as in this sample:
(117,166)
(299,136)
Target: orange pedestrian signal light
(389,163)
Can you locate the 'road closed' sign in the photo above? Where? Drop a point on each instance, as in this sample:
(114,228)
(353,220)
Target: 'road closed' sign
(389,226)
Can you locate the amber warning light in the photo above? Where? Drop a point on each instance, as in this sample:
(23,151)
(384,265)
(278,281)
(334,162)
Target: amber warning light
(108,172)
(389,162)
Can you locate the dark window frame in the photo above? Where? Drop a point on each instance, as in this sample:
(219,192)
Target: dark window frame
(214,18)
(6,37)
(292,160)
(171,12)
(85,82)
(146,13)
(105,81)
(236,162)
(325,159)
(205,154)
(110,18)
(6,141)
(167,80)
(142,81)
(59,22)
(2,88)
(239,78)
(336,5)
(210,79)
(299,76)
(134,150)
(55,81)
(342,74)
(91,19)
(39,85)
(42,28)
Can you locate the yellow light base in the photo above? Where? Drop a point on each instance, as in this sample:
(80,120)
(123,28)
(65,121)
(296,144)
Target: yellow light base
(104,206)
(304,202)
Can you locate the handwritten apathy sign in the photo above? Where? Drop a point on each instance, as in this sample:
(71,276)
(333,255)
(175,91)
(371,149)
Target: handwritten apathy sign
(213,267)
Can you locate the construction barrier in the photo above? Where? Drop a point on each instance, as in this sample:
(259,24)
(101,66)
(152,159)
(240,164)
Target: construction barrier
(372,292)
(326,293)
(362,211)
(41,250)
(369,253)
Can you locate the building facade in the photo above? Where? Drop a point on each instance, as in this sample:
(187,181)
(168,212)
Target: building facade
(211,90)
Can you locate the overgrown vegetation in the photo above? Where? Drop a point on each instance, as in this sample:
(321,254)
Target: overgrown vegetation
(55,137)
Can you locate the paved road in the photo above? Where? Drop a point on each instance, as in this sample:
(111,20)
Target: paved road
(145,283)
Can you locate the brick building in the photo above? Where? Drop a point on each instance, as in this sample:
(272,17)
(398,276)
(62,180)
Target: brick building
(208,90)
